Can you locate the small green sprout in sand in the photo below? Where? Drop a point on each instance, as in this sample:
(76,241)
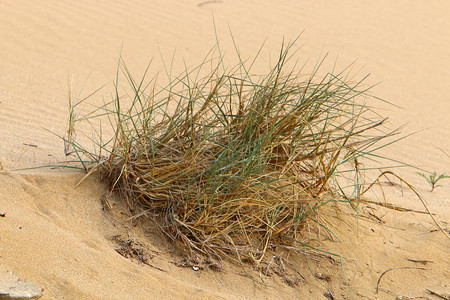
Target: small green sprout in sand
(432,179)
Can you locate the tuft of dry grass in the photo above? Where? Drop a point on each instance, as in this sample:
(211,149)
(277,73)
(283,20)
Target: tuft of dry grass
(234,164)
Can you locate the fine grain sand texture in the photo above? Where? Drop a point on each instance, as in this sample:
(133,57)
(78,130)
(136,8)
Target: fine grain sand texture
(59,237)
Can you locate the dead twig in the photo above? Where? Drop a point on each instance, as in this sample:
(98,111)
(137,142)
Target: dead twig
(420,261)
(30,145)
(399,268)
(445,296)
(208,2)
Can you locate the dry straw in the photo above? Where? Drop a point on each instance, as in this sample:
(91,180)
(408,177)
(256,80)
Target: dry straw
(234,164)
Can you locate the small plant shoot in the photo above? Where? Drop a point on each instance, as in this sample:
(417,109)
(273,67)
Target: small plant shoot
(433,179)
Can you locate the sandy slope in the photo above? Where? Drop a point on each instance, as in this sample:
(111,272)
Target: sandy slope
(58,237)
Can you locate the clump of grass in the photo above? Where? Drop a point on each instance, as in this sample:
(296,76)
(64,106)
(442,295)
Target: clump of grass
(234,164)
(433,179)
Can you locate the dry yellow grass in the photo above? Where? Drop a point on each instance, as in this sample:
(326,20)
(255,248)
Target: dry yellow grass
(242,161)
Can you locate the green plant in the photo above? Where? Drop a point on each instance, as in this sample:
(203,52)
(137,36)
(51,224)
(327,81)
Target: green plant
(231,164)
(433,178)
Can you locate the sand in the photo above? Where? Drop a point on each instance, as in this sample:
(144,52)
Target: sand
(59,237)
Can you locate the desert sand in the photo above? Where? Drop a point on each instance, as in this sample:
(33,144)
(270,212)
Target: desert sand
(59,237)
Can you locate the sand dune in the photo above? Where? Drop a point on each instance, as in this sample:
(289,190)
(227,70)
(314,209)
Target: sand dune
(60,238)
